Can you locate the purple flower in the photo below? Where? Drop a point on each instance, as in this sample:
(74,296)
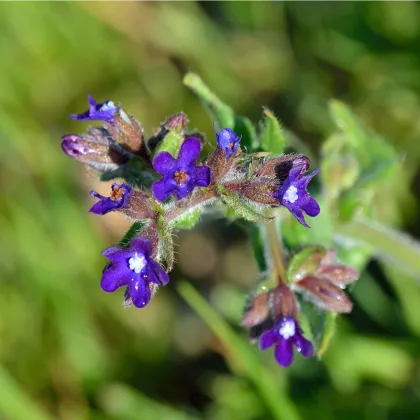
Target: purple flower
(133,267)
(285,334)
(119,197)
(293,194)
(97,112)
(181,175)
(228,140)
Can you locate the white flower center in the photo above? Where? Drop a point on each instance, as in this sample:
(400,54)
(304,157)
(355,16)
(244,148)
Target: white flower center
(287,329)
(291,194)
(137,263)
(107,106)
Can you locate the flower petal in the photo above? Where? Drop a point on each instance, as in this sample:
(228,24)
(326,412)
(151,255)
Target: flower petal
(267,339)
(310,206)
(284,352)
(140,292)
(163,163)
(163,189)
(183,190)
(303,346)
(202,176)
(91,101)
(156,273)
(189,152)
(105,206)
(141,245)
(115,276)
(297,213)
(117,255)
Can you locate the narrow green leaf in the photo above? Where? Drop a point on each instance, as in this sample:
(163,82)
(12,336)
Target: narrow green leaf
(241,357)
(241,207)
(135,228)
(271,137)
(221,113)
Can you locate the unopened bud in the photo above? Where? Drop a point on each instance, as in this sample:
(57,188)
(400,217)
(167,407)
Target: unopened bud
(279,167)
(338,274)
(89,150)
(128,132)
(259,311)
(283,302)
(176,122)
(325,294)
(259,190)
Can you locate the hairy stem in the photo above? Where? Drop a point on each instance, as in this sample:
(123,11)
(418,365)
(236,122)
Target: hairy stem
(179,208)
(275,250)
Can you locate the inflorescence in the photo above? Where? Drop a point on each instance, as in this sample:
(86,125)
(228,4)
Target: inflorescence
(164,181)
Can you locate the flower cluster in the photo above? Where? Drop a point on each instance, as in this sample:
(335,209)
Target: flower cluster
(164,179)
(273,316)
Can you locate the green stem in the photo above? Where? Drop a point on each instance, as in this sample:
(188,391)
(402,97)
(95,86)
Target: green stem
(275,250)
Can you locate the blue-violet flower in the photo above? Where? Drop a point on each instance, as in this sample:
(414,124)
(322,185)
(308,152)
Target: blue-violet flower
(97,112)
(285,334)
(119,197)
(228,140)
(133,267)
(293,194)
(180,176)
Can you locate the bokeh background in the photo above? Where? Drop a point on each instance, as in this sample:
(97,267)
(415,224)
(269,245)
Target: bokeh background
(70,351)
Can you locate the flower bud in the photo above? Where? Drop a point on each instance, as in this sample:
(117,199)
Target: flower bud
(259,311)
(90,150)
(128,133)
(283,302)
(176,122)
(325,294)
(279,167)
(338,274)
(260,190)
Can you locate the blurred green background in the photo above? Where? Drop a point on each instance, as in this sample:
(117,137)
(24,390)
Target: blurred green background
(70,351)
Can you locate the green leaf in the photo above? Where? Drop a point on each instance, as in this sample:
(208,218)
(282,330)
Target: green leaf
(241,357)
(271,137)
(135,228)
(245,129)
(241,207)
(187,221)
(318,326)
(221,113)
